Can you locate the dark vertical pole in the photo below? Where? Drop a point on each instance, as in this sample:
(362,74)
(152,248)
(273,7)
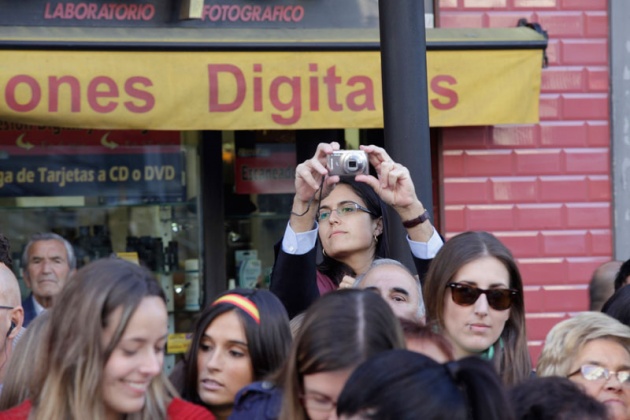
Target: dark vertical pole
(212,216)
(405,102)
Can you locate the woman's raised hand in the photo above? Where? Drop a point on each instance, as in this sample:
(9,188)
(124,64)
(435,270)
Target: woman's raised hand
(394,184)
(308,175)
(395,187)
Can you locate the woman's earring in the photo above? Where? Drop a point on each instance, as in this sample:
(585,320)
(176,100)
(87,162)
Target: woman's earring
(375,238)
(324,252)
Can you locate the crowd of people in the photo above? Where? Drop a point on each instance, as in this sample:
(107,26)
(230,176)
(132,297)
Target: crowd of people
(344,331)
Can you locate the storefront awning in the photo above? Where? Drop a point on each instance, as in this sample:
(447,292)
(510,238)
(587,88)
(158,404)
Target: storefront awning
(252,89)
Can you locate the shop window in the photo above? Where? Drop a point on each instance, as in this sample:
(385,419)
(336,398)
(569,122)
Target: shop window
(130,193)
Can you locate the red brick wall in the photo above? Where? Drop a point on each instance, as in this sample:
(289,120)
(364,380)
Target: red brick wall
(542,189)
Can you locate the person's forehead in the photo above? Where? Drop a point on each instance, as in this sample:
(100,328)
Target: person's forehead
(48,245)
(389,276)
(605,351)
(341,193)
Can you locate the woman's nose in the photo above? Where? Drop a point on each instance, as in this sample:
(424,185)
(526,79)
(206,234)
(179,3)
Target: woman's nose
(481,305)
(334,216)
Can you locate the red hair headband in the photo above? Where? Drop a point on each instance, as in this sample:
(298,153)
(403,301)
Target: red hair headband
(242,303)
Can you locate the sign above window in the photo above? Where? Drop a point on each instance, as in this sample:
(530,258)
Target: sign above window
(285,14)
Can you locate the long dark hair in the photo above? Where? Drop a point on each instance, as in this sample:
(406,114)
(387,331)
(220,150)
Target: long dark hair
(511,353)
(554,398)
(403,385)
(336,269)
(340,330)
(268,343)
(622,275)
(618,306)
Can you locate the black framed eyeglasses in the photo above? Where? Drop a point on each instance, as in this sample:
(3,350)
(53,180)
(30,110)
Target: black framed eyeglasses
(466,295)
(6,307)
(345,208)
(600,373)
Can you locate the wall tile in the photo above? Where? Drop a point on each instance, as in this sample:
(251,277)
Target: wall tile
(539,216)
(484,3)
(587,161)
(584,51)
(562,24)
(596,24)
(588,215)
(565,243)
(514,189)
(593,106)
(488,162)
(563,79)
(522,244)
(563,133)
(493,217)
(539,162)
(465,191)
(558,189)
(541,271)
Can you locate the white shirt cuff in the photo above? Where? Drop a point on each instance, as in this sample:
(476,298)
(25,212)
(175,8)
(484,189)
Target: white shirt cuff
(426,250)
(299,243)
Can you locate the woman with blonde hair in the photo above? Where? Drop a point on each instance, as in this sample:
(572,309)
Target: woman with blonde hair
(474,297)
(102,351)
(593,350)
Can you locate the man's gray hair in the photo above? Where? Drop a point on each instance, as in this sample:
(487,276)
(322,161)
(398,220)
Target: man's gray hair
(388,261)
(72,260)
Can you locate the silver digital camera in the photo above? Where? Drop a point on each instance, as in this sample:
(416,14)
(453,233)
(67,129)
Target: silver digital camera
(348,163)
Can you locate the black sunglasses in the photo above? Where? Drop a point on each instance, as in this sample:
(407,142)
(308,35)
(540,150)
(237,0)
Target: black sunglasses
(466,295)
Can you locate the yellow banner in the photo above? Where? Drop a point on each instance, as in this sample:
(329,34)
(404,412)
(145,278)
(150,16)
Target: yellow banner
(256,90)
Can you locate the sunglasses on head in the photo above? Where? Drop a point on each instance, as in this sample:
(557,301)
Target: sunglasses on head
(466,295)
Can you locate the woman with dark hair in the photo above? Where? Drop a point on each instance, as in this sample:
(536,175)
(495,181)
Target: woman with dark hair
(242,337)
(340,330)
(348,216)
(403,385)
(474,297)
(621,279)
(554,398)
(618,306)
(102,351)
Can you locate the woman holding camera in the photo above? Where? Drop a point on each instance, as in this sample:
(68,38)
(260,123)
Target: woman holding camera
(348,216)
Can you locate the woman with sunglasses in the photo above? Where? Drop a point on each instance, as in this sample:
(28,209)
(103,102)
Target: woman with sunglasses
(348,216)
(593,350)
(474,297)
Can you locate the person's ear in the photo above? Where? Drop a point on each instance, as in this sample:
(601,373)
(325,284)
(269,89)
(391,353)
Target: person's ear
(17,320)
(378,229)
